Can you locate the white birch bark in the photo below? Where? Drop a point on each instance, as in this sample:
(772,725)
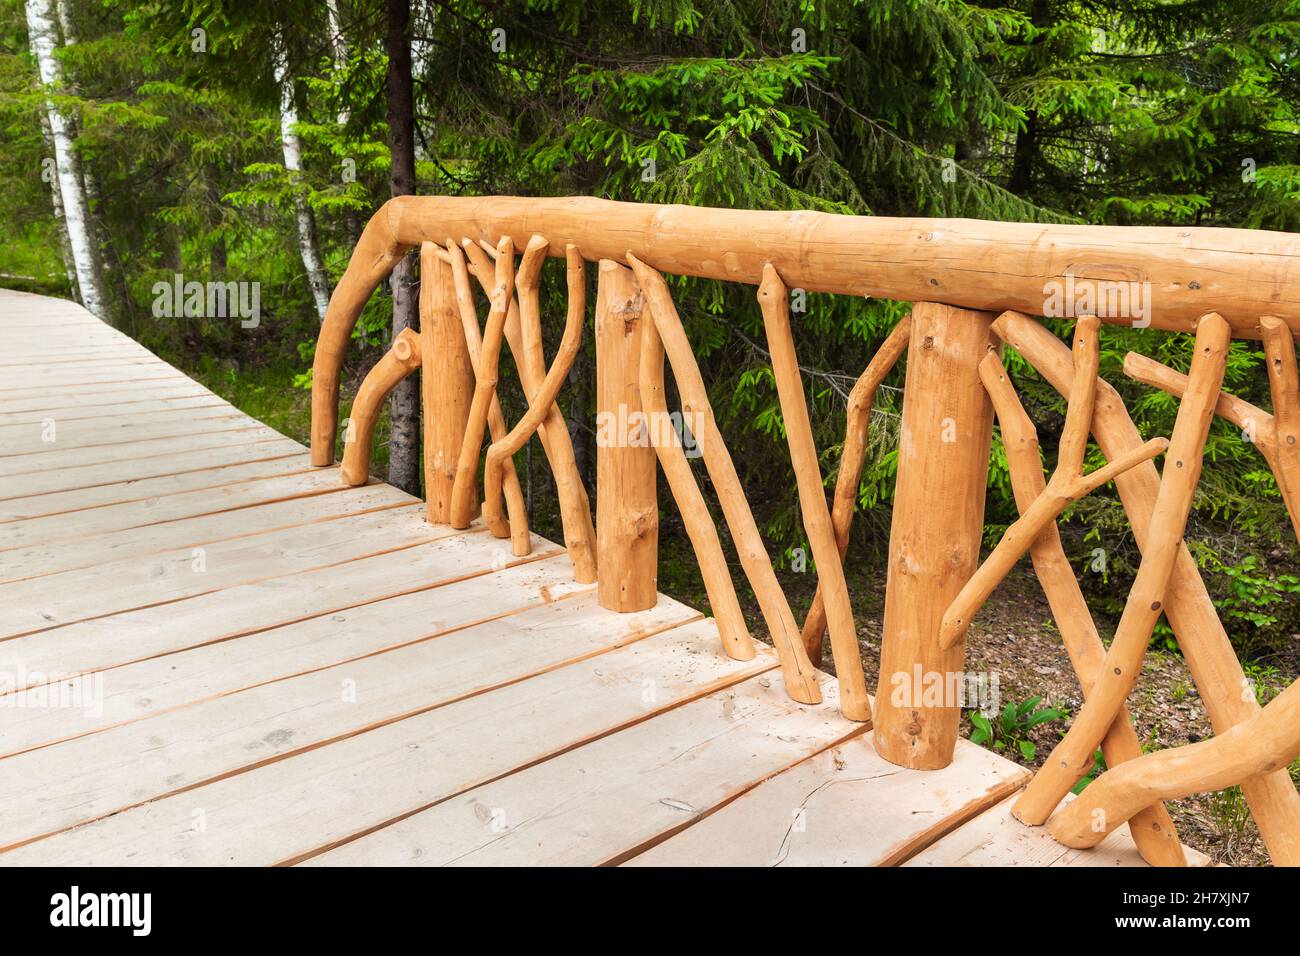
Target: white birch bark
(311,257)
(339,42)
(43,36)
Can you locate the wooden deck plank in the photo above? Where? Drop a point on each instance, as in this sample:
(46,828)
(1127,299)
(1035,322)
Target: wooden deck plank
(216,449)
(844,807)
(346,577)
(467,590)
(42,603)
(78,405)
(996,838)
(14,386)
(224,466)
(147,406)
(45,560)
(616,795)
(338,681)
(53,432)
(585,682)
(35,533)
(201,434)
(141,762)
(92,393)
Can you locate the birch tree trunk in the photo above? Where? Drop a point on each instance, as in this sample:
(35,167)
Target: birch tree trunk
(339,43)
(56,200)
(43,35)
(404,409)
(317,281)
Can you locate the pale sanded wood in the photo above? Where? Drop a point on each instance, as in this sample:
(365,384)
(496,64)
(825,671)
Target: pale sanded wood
(199,453)
(485,384)
(242,492)
(121,420)
(347,574)
(541,405)
(1145,603)
(295,510)
(702,532)
(447,385)
(801,682)
(936,528)
(401,360)
(627,502)
(87,397)
(54,434)
(144,761)
(1154,832)
(11,386)
(1068,483)
(204,434)
(97,404)
(473,336)
(852,456)
(1277,435)
(205,468)
(1272,798)
(846,806)
(462,592)
(812,496)
(70,596)
(575,508)
(610,799)
(996,838)
(1267,742)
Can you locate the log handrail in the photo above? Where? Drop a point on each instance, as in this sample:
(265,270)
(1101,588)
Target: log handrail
(975,286)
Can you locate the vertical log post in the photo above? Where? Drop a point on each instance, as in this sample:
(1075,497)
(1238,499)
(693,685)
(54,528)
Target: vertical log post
(447,382)
(627,508)
(943,461)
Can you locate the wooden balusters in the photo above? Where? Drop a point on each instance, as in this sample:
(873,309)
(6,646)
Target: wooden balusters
(485,399)
(402,358)
(812,497)
(447,382)
(544,400)
(800,676)
(1272,797)
(1072,757)
(1265,743)
(1068,484)
(852,457)
(1153,830)
(575,507)
(627,506)
(699,525)
(1277,436)
(938,522)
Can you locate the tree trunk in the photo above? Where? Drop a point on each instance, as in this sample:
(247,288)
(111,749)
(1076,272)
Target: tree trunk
(317,281)
(404,407)
(76,214)
(56,200)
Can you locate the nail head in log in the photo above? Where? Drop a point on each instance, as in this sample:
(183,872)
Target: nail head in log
(943,461)
(627,507)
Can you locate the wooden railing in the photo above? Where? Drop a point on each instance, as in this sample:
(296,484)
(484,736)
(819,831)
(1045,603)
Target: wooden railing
(975,287)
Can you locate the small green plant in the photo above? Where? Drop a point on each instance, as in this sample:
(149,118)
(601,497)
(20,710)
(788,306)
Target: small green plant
(1098,768)
(1010,729)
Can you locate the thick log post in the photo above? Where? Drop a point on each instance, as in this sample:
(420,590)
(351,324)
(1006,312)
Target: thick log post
(447,384)
(943,461)
(627,508)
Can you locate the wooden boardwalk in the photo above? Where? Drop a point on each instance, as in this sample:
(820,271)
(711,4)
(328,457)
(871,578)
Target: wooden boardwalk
(229,657)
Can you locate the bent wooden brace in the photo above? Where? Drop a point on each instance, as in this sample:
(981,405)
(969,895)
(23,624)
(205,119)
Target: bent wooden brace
(1072,757)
